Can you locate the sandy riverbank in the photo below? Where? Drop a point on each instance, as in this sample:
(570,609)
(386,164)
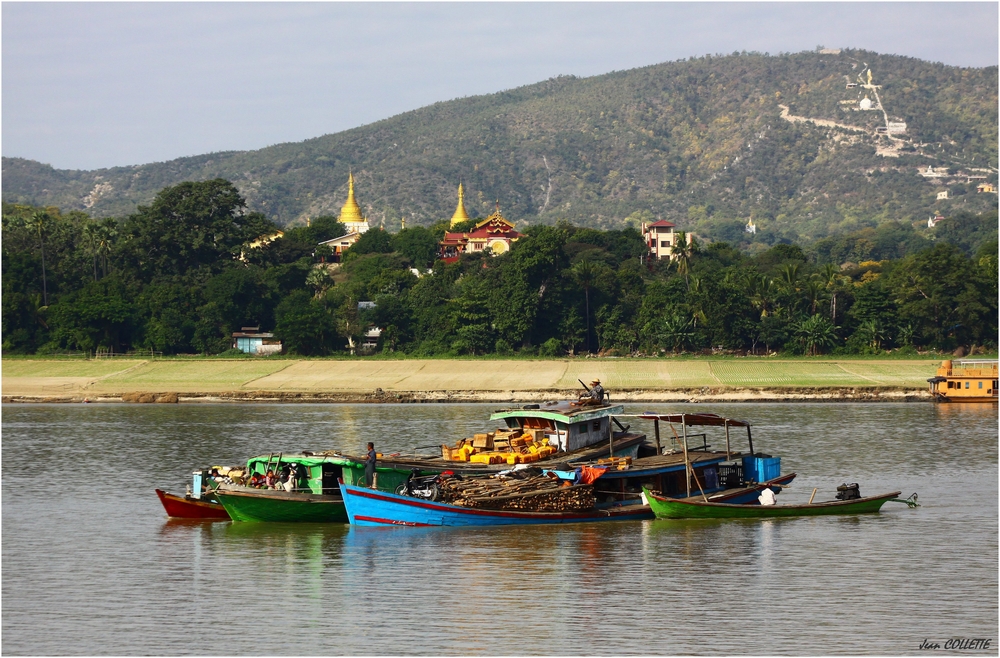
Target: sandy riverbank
(652,380)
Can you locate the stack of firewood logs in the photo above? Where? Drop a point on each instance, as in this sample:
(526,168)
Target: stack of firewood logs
(531,492)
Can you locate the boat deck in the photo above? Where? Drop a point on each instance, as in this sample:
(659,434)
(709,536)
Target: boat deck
(622,441)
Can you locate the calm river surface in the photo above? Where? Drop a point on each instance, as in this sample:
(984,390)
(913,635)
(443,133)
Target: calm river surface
(92,566)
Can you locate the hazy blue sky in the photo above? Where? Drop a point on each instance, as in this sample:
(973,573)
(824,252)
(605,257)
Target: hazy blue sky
(88,85)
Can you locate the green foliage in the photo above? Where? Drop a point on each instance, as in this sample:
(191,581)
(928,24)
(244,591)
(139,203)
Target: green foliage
(815,334)
(561,289)
(304,325)
(418,244)
(374,241)
(188,227)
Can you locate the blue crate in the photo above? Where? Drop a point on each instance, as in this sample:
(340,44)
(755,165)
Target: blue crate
(761,469)
(768,469)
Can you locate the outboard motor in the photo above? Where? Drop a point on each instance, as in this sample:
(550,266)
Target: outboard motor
(848,491)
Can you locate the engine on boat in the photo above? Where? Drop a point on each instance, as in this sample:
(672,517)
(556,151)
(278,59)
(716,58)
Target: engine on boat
(848,491)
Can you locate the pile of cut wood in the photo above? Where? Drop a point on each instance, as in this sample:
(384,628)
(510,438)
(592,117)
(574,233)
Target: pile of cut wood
(528,492)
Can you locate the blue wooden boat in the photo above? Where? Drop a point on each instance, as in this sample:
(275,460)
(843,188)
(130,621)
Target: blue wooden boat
(369,507)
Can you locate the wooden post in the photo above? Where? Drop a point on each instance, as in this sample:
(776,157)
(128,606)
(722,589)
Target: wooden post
(813,495)
(727,439)
(656,428)
(750,439)
(687,464)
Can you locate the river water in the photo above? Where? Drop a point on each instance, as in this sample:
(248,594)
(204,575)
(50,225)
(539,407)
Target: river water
(91,565)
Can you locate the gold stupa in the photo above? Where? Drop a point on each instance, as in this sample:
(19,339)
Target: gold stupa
(460,214)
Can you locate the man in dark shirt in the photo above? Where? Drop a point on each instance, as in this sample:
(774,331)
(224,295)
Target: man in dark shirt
(370,465)
(595,396)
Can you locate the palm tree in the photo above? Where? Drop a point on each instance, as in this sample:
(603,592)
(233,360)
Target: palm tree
(695,302)
(814,293)
(676,331)
(585,274)
(874,333)
(681,253)
(816,332)
(762,294)
(788,280)
(833,279)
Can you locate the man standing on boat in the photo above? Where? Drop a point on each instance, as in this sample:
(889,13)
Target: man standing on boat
(370,465)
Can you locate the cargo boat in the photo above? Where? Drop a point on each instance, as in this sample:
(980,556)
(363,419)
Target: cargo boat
(594,492)
(555,433)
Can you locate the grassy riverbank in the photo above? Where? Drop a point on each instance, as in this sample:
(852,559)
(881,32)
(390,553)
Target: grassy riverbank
(446,378)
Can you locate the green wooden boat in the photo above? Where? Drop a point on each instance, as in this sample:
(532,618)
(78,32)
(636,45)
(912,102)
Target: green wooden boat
(247,504)
(692,508)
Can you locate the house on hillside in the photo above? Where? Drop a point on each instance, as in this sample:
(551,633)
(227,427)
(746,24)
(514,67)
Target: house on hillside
(986,187)
(660,237)
(353,220)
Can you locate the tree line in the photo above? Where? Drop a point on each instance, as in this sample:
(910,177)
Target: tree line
(182,274)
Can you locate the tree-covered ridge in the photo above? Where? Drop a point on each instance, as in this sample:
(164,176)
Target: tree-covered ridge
(700,142)
(183,273)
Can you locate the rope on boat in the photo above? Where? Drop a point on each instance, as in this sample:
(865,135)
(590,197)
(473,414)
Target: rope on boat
(911,501)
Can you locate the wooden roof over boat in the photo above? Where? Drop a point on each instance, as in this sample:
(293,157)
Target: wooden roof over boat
(712,420)
(563,412)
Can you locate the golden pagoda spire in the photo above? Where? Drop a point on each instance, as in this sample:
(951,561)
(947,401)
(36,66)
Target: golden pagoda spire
(460,214)
(351,212)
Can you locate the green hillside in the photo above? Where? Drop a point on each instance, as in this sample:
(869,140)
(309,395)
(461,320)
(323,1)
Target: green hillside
(700,142)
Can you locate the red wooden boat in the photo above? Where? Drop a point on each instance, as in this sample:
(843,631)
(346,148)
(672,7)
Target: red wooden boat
(186,507)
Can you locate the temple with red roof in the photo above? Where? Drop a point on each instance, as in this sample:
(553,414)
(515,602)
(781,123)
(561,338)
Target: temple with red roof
(494,235)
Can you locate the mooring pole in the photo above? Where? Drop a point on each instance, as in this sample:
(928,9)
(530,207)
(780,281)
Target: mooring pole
(727,439)
(656,429)
(687,464)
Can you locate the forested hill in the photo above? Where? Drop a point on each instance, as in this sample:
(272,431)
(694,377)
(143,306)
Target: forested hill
(705,143)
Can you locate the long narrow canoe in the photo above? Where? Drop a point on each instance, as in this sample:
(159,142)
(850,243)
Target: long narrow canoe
(370,507)
(269,505)
(186,507)
(690,508)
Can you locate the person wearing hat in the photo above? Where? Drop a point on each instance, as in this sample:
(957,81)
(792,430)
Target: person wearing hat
(595,395)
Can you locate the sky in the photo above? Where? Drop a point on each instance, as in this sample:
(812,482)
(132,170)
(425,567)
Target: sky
(93,85)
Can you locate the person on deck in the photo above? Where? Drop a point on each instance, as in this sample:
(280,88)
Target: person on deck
(269,479)
(293,476)
(370,465)
(595,396)
(767,497)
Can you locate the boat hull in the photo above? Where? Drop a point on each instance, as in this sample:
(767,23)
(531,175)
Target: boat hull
(673,508)
(256,506)
(369,507)
(185,507)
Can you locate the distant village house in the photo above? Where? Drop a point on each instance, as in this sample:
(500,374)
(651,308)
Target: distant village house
(251,340)
(660,237)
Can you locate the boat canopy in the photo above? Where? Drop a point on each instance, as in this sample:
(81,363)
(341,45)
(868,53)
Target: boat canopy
(561,412)
(712,420)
